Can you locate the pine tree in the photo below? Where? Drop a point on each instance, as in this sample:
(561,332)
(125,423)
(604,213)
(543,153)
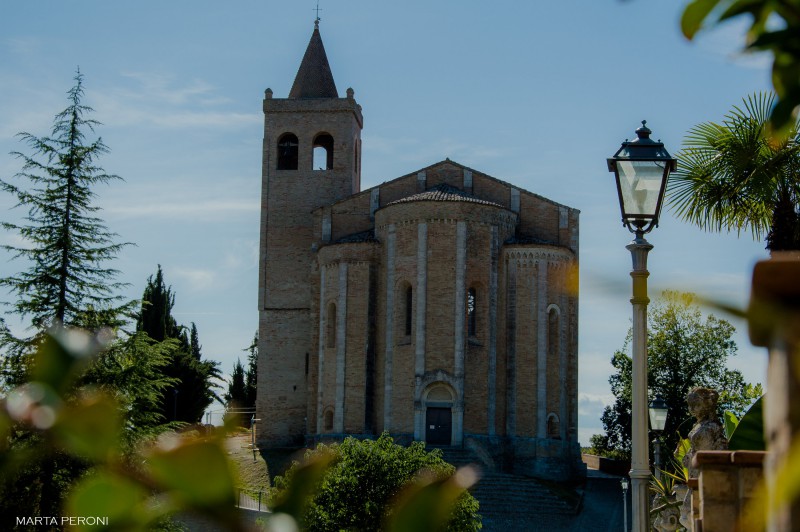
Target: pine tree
(66,285)
(194,379)
(66,244)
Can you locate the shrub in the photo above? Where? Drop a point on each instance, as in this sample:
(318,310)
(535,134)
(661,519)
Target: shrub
(365,478)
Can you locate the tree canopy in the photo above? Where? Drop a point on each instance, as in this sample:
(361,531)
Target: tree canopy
(685,349)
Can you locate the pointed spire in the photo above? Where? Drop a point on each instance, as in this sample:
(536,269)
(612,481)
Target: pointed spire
(314,77)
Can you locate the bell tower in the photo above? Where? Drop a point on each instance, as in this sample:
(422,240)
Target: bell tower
(311,157)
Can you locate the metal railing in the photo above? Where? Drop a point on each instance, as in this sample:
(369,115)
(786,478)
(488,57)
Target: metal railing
(251,499)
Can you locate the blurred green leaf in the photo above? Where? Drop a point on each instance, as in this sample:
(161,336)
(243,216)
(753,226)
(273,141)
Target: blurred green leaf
(108,495)
(694,15)
(428,503)
(62,358)
(91,428)
(305,480)
(730,423)
(197,472)
(749,433)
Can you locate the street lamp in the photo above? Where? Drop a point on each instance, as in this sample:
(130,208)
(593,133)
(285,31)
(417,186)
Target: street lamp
(624,483)
(641,168)
(658,420)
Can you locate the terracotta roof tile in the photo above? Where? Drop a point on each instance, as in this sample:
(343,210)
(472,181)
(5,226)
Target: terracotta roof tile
(444,192)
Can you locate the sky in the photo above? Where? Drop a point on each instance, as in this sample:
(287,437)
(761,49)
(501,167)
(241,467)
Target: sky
(537,94)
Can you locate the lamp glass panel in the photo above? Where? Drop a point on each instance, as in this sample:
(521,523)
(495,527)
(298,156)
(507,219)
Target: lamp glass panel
(658,418)
(640,184)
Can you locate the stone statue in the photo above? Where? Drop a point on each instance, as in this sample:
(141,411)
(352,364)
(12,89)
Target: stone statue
(707,434)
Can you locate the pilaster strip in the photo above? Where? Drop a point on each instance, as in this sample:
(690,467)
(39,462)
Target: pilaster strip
(458,332)
(341,349)
(323,311)
(563,377)
(421,291)
(511,348)
(491,385)
(542,325)
(460,302)
(419,352)
(391,238)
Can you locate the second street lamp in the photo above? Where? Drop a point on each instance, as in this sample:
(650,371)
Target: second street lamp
(658,420)
(641,168)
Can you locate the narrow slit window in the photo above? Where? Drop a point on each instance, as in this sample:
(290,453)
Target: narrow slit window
(408,314)
(330,326)
(552,332)
(472,312)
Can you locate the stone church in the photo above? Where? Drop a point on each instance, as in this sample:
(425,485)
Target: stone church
(440,306)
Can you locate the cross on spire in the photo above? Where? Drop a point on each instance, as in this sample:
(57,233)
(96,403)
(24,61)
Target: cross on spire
(317,9)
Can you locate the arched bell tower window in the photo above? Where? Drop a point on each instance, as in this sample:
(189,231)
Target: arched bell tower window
(323,152)
(287,152)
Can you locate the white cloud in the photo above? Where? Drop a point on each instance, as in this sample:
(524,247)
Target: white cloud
(590,409)
(198,279)
(180,208)
(158,100)
(243,254)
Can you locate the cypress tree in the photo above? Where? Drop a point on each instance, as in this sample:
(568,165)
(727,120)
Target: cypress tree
(251,374)
(193,389)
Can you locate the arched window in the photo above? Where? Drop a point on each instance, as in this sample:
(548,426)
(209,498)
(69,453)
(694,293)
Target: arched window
(409,302)
(552,426)
(287,152)
(328,422)
(472,312)
(330,326)
(323,152)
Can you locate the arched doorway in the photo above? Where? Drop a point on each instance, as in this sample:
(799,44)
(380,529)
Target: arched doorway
(439,415)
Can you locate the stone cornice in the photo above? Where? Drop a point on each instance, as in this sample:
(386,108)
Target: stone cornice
(530,255)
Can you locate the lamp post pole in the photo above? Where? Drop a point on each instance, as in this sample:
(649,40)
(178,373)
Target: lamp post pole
(641,168)
(640,463)
(625,503)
